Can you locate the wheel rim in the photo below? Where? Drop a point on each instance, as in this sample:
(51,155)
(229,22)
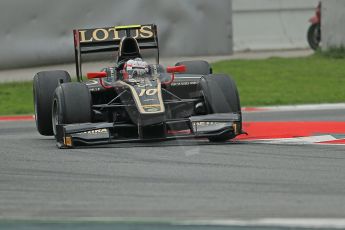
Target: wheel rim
(35,105)
(314,36)
(207,105)
(55,116)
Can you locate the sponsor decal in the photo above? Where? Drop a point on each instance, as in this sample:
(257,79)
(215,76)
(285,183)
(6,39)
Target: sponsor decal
(112,34)
(209,125)
(184,83)
(97,89)
(152,108)
(149,99)
(92,85)
(96,132)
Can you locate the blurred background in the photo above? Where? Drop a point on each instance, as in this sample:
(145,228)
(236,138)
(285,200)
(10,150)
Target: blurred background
(39,32)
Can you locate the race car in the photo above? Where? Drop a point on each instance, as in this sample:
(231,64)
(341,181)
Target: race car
(134,101)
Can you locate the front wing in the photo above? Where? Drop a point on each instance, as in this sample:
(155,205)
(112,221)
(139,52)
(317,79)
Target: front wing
(72,135)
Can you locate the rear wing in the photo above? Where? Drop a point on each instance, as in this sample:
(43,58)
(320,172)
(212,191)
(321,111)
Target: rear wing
(108,40)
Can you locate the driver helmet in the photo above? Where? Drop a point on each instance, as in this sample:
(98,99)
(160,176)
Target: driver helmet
(135,68)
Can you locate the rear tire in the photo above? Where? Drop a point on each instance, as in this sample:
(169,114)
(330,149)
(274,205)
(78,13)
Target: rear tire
(314,36)
(71,104)
(221,96)
(196,67)
(44,85)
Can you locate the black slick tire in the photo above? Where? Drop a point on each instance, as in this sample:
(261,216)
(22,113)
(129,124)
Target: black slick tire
(71,104)
(44,85)
(314,36)
(221,96)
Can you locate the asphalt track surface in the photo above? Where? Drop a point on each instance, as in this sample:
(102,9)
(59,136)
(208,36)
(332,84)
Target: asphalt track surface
(176,180)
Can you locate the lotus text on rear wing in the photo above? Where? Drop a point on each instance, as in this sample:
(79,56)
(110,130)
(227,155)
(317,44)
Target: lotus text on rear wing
(112,34)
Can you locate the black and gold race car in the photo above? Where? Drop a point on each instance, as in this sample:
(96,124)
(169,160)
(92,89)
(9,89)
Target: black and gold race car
(134,102)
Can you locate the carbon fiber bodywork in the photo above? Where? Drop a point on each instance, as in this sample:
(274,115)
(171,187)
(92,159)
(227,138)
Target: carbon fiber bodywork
(106,133)
(124,117)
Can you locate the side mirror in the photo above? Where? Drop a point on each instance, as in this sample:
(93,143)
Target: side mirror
(176,69)
(94,75)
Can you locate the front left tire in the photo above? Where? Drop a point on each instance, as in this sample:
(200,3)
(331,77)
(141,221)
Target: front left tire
(44,85)
(71,104)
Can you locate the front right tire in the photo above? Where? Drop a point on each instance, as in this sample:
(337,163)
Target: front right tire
(221,96)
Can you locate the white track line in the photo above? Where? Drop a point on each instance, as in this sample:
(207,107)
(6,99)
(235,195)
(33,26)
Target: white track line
(328,223)
(314,223)
(307,107)
(311,140)
(298,140)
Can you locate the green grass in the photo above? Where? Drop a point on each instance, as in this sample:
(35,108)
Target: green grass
(273,81)
(16,98)
(281,81)
(333,52)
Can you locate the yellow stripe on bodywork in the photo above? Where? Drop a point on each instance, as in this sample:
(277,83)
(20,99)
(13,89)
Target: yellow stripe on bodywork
(127,27)
(151,106)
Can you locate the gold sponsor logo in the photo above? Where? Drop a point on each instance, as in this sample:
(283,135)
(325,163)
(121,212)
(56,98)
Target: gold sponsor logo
(152,108)
(111,34)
